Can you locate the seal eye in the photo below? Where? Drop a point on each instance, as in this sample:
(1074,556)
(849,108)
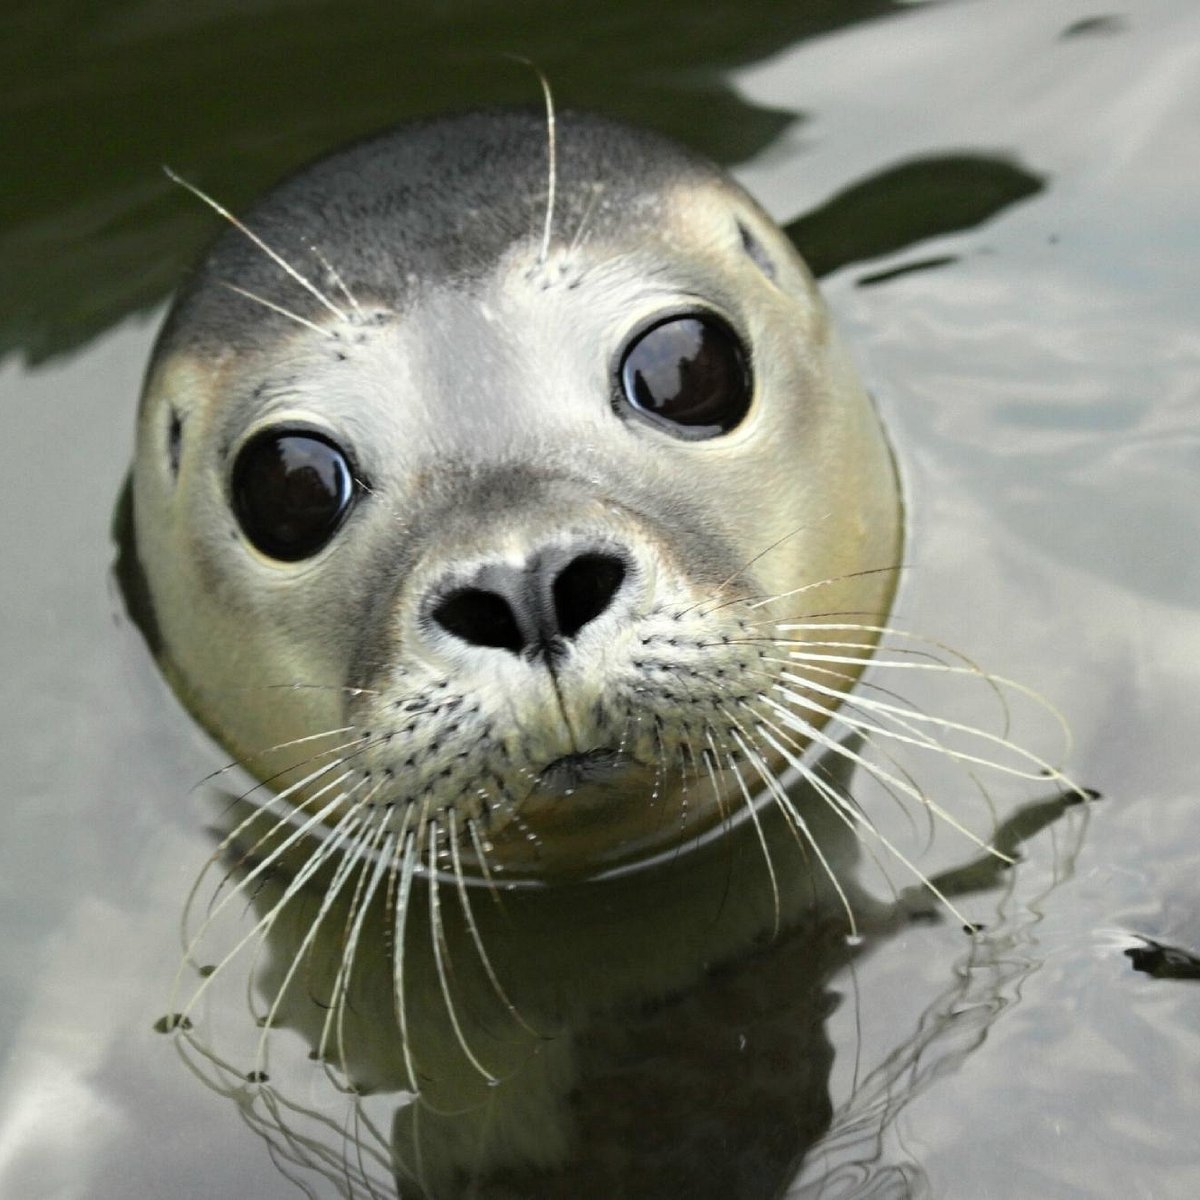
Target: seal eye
(290,490)
(688,374)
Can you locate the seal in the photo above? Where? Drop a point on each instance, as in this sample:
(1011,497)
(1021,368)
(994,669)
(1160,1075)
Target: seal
(504,477)
(505,502)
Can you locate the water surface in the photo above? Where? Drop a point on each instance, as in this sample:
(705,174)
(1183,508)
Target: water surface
(1036,361)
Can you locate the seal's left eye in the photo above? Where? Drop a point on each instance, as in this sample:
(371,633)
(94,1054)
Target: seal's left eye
(290,491)
(689,375)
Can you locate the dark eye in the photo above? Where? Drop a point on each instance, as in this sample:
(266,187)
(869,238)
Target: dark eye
(689,374)
(290,490)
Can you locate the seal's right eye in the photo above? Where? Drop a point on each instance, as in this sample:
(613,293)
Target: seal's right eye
(290,490)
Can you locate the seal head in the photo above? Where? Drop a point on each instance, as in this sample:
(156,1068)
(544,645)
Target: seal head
(474,487)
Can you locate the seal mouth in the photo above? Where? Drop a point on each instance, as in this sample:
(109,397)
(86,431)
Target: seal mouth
(573,771)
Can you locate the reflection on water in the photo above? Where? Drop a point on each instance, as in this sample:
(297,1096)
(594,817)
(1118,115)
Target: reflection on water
(714,1089)
(235,99)
(708,1090)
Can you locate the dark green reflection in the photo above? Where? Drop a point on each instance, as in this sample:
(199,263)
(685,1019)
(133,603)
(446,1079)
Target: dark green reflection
(97,94)
(907,204)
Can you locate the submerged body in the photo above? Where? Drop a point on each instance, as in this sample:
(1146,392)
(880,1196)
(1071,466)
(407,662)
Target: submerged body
(510,509)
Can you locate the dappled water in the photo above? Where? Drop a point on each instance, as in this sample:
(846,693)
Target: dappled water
(1001,199)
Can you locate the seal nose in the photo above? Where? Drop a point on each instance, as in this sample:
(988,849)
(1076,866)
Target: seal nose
(535,609)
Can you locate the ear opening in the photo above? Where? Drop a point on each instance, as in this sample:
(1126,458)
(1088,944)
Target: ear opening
(756,251)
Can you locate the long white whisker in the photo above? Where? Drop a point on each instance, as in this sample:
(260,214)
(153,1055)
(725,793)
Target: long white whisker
(336,276)
(360,906)
(585,217)
(552,165)
(441,955)
(806,729)
(852,817)
(866,573)
(275,749)
(305,872)
(798,824)
(711,603)
(834,796)
(276,822)
(473,929)
(850,702)
(344,868)
(279,308)
(905,718)
(408,856)
(276,799)
(257,871)
(762,839)
(995,682)
(279,822)
(273,255)
(484,866)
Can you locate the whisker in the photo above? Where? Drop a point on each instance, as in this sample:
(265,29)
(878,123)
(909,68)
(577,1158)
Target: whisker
(916,737)
(267,807)
(279,308)
(997,683)
(865,573)
(336,276)
(762,839)
(585,217)
(726,816)
(273,255)
(850,702)
(854,819)
(441,958)
(798,825)
(552,164)
(302,875)
(216,907)
(352,690)
(481,855)
(360,906)
(719,590)
(793,720)
(345,864)
(280,823)
(278,746)
(753,602)
(473,929)
(407,851)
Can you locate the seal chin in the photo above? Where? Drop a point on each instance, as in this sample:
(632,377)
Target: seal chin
(586,813)
(567,774)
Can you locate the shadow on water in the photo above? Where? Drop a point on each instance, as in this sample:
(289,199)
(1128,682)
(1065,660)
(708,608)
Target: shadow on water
(905,205)
(716,1091)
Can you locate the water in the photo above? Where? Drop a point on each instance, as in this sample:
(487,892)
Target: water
(1040,385)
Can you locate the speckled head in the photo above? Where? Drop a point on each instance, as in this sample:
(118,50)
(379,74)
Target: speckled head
(475,530)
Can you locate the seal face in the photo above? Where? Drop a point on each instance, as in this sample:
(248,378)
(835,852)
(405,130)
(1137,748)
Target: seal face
(470,508)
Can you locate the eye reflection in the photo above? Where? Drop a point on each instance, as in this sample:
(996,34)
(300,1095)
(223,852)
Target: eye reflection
(690,374)
(290,491)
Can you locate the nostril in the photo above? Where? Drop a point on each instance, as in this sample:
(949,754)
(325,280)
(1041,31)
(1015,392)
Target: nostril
(583,589)
(533,609)
(481,618)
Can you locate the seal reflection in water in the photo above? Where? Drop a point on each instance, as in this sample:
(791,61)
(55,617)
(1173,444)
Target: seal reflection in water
(508,506)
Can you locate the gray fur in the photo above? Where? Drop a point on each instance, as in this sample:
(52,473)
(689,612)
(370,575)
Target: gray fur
(440,199)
